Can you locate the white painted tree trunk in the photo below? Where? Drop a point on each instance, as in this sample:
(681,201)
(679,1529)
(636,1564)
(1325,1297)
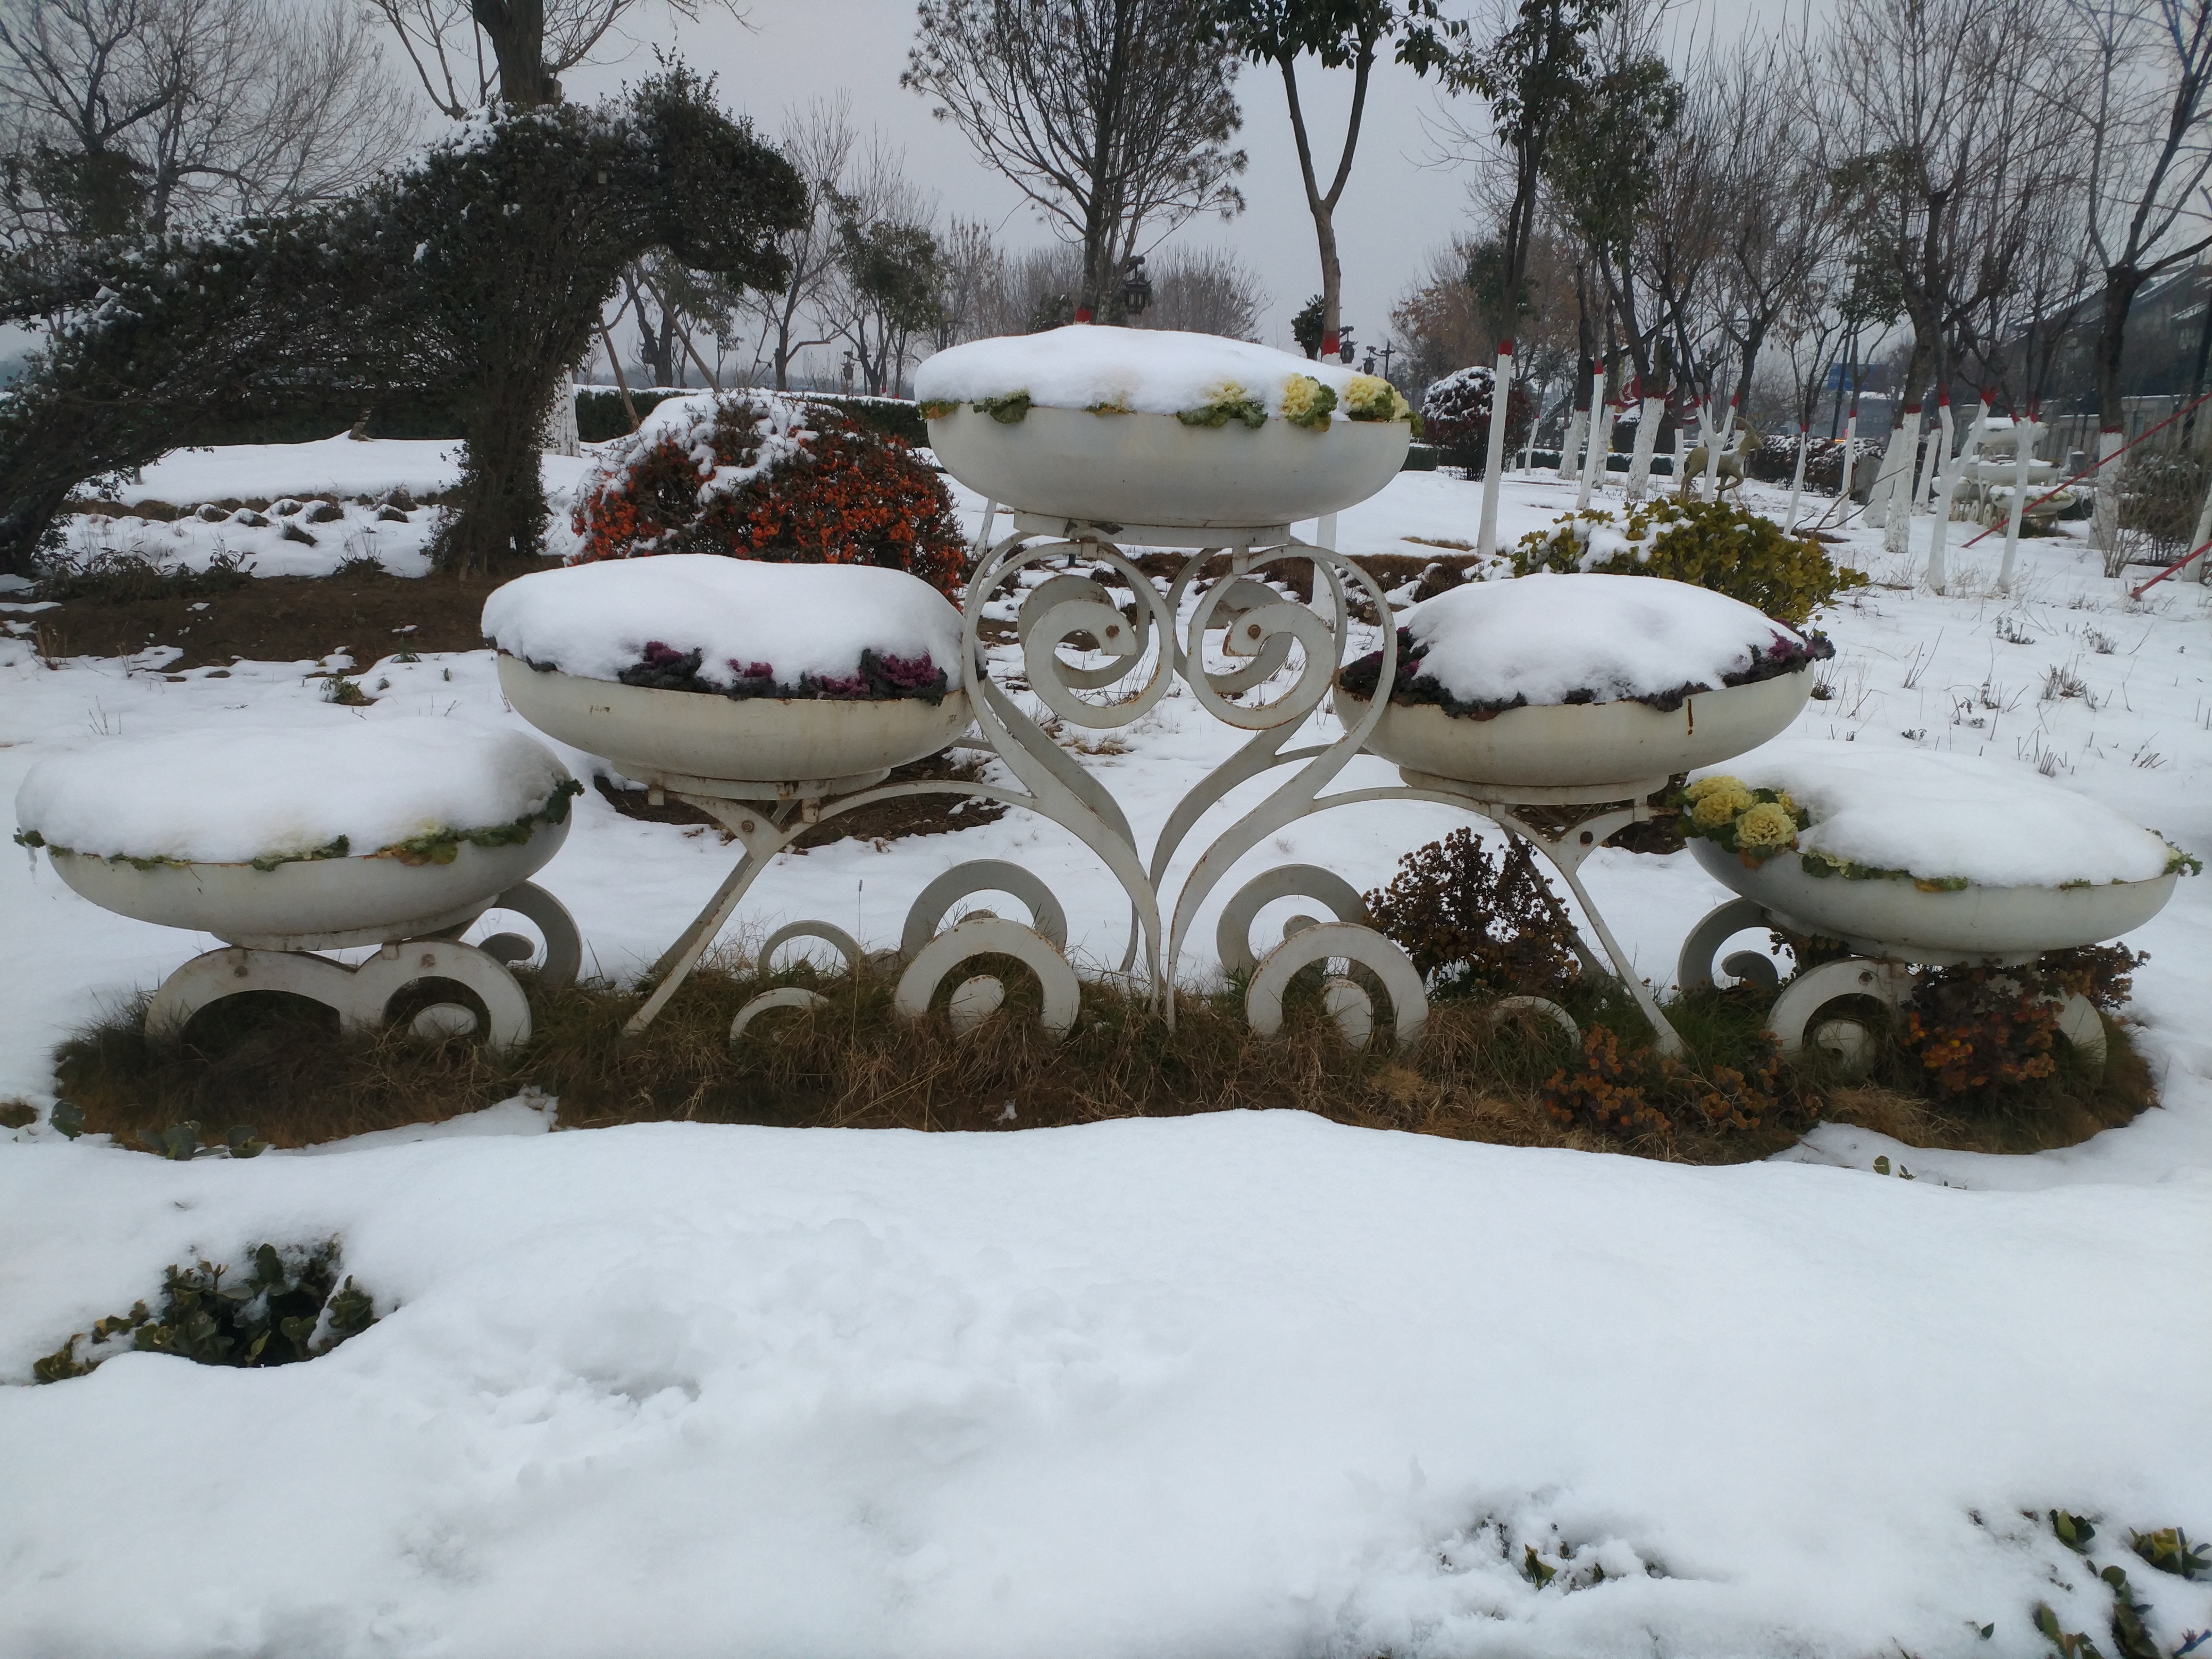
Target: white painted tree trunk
(1600,439)
(1946,482)
(1797,480)
(2105,526)
(1501,392)
(2204,534)
(2023,452)
(560,436)
(1571,452)
(1647,439)
(1897,530)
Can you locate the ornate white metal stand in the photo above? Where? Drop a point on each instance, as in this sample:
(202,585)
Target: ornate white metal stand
(1236,677)
(362,995)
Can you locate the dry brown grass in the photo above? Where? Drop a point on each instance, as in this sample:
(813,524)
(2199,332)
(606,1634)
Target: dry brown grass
(281,1066)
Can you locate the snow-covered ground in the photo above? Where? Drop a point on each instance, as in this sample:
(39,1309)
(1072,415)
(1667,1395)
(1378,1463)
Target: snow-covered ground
(1250,1385)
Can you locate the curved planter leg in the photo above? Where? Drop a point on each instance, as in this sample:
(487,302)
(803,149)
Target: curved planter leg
(982,876)
(2080,1025)
(1889,982)
(1346,1003)
(564,946)
(1693,968)
(989,936)
(784,996)
(1232,934)
(360,995)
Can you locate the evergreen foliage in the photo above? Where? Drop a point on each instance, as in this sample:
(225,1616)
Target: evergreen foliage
(480,271)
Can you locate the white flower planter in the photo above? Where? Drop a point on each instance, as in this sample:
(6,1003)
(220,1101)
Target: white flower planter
(1893,918)
(673,737)
(1578,745)
(313,904)
(1153,470)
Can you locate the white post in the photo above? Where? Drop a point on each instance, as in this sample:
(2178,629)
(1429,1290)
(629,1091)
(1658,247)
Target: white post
(1325,531)
(983,536)
(2026,432)
(1675,477)
(1601,438)
(1796,482)
(1501,387)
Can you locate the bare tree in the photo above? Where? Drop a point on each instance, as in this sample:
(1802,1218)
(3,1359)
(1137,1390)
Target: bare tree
(1113,116)
(1341,34)
(532,44)
(2148,157)
(1205,290)
(1955,113)
(818,142)
(972,268)
(153,114)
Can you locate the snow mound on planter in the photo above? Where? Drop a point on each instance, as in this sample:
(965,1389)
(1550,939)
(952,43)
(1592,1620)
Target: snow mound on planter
(1942,817)
(594,621)
(1145,371)
(238,794)
(1548,637)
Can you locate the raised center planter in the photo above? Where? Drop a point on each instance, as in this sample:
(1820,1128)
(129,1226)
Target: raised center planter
(732,677)
(1153,428)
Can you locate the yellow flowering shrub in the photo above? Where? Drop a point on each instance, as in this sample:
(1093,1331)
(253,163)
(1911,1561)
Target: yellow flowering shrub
(1710,544)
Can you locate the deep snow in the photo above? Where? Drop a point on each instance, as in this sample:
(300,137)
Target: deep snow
(1249,1385)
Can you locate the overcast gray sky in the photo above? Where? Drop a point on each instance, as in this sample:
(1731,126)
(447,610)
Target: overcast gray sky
(1397,208)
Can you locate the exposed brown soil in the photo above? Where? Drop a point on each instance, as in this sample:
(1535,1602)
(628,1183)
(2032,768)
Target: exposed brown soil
(362,611)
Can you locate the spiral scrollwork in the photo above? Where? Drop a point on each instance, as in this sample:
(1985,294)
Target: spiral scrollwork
(1346,1001)
(829,932)
(1047,915)
(1694,967)
(1232,934)
(1263,630)
(989,936)
(1064,608)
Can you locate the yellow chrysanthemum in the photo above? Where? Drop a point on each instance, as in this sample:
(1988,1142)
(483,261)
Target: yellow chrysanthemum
(1307,401)
(1704,786)
(1719,806)
(1782,799)
(1767,827)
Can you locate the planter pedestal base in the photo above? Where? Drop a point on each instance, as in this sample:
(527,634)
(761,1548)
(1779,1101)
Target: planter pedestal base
(361,995)
(1794,1019)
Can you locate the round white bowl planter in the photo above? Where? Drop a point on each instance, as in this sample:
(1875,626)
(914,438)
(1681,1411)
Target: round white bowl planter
(168,808)
(697,741)
(1581,745)
(1152,469)
(313,904)
(1895,917)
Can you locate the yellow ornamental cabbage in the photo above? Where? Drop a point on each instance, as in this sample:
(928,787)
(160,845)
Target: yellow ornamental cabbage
(1704,786)
(1225,403)
(1308,402)
(1766,828)
(1719,806)
(1371,398)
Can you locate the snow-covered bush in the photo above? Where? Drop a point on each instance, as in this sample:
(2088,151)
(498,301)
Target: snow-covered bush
(1456,416)
(1715,545)
(761,477)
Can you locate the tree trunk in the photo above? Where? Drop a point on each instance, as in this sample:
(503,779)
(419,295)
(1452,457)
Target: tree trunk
(516,29)
(2121,284)
(501,511)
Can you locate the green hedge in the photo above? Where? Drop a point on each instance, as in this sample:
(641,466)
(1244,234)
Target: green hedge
(599,413)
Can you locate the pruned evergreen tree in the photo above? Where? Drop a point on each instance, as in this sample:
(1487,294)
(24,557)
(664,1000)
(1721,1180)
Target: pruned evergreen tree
(481,270)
